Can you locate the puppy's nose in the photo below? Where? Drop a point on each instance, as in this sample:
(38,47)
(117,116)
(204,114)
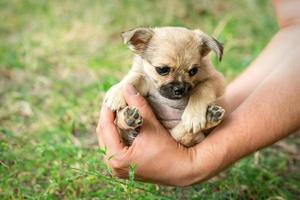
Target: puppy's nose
(179,89)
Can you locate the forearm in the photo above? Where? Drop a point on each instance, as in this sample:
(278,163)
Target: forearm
(287,12)
(267,111)
(281,44)
(270,113)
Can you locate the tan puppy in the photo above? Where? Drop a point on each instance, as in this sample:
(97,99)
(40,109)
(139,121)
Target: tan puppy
(172,70)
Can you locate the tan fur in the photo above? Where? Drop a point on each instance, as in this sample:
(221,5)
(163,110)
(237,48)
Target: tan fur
(180,49)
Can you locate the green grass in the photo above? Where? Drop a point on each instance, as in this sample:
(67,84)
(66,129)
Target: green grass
(57,59)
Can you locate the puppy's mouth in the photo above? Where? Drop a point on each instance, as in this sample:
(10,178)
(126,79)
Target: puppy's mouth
(175,90)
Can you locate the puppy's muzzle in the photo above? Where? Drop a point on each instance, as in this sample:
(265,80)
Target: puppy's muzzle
(175,90)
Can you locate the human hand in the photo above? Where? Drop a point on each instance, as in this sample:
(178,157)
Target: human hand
(158,158)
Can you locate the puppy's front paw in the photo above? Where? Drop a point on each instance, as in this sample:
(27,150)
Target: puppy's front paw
(132,117)
(128,121)
(114,98)
(194,119)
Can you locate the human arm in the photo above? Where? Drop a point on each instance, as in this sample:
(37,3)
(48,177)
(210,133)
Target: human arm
(265,108)
(288,16)
(270,113)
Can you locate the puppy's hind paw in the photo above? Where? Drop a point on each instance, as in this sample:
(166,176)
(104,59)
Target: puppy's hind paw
(214,115)
(132,117)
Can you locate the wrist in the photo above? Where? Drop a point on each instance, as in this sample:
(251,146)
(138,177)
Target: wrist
(207,161)
(215,153)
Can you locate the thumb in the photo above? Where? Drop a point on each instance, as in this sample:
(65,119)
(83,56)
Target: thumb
(133,98)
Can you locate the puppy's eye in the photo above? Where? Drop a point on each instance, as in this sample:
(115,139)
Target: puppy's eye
(193,71)
(163,70)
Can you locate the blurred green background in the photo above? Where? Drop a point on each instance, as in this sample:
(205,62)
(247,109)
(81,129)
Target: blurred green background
(57,59)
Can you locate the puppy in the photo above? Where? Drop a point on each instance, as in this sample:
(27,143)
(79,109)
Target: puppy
(171,69)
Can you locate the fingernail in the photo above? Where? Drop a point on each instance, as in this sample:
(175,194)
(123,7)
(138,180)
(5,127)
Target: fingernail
(130,89)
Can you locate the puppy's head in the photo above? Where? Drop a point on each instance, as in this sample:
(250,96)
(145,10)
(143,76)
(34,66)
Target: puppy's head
(174,58)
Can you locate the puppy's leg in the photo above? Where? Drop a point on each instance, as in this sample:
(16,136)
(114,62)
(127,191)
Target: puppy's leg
(178,131)
(128,120)
(194,116)
(214,116)
(199,113)
(114,98)
(191,139)
(187,139)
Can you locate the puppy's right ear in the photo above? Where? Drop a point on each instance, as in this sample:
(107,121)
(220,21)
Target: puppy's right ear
(138,39)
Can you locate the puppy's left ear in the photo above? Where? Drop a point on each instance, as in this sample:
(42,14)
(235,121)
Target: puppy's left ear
(138,39)
(208,43)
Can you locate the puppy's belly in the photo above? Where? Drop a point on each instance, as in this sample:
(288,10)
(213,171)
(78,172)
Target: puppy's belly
(167,111)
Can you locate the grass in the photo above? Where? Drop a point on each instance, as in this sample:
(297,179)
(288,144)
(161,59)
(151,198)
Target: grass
(57,59)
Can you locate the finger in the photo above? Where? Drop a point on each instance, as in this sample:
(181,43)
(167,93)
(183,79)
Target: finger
(102,147)
(100,140)
(133,98)
(109,133)
(99,135)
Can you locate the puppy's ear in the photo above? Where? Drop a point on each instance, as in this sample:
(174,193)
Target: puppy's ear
(208,43)
(138,39)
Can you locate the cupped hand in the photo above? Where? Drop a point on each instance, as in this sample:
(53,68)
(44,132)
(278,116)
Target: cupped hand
(156,155)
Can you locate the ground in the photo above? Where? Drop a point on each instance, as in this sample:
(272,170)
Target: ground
(57,60)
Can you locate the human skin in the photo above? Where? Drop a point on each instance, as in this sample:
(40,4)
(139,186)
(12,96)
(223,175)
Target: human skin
(263,105)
